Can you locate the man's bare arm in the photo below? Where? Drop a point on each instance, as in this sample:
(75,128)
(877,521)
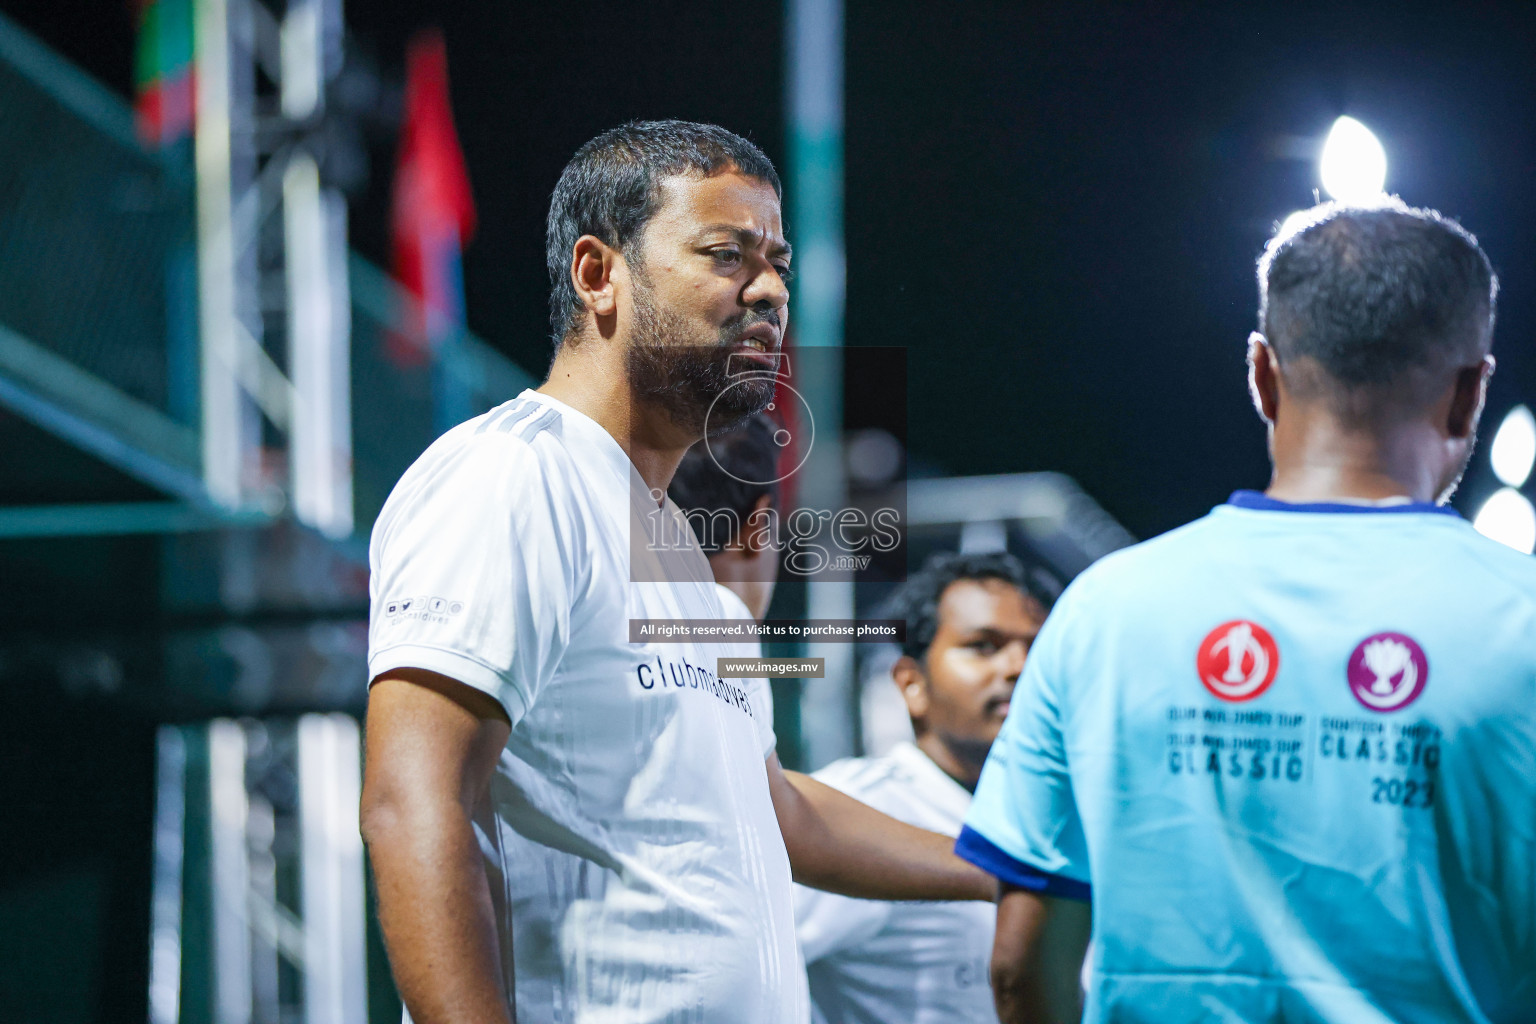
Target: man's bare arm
(432,745)
(844,846)
(1037,957)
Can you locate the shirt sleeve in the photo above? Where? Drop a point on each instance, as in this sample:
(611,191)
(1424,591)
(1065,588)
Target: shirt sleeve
(1023,825)
(473,572)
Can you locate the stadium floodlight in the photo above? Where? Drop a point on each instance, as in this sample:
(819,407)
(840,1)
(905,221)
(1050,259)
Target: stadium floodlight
(1513,451)
(1354,166)
(1507,517)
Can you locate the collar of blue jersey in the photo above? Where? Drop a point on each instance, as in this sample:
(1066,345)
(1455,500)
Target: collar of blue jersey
(1263,502)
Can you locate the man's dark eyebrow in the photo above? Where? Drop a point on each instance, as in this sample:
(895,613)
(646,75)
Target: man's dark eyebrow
(747,238)
(993,633)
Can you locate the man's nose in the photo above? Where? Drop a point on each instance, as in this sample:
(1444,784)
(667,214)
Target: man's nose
(766,290)
(1011,657)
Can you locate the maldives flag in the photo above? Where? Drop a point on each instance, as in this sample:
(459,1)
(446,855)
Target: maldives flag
(434,214)
(162,71)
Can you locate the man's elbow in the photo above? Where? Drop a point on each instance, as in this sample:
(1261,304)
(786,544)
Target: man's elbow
(1010,981)
(396,813)
(380,814)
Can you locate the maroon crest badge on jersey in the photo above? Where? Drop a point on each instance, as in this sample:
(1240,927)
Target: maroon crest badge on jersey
(1238,660)
(1387,671)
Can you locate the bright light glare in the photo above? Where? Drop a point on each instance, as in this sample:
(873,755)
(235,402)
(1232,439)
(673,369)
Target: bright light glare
(1295,222)
(1514,447)
(1508,518)
(1354,166)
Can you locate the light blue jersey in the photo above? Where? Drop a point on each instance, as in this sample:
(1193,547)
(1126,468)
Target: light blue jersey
(1293,750)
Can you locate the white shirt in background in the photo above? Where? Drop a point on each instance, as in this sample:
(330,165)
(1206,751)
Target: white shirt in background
(877,962)
(734,607)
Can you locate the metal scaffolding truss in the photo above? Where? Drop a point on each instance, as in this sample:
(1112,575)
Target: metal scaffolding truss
(257,854)
(273,303)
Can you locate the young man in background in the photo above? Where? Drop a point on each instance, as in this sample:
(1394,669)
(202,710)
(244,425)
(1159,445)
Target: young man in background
(970,622)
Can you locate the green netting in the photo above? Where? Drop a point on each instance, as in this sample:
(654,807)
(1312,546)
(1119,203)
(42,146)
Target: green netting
(392,415)
(399,407)
(96,234)
(98,266)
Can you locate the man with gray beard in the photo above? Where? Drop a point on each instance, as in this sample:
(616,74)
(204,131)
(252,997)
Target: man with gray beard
(565,825)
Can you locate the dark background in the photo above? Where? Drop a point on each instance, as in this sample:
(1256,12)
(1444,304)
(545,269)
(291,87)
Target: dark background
(1056,207)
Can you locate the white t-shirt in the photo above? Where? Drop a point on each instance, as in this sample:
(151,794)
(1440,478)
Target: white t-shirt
(733,607)
(634,857)
(869,961)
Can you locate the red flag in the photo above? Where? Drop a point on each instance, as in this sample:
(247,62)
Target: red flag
(163,105)
(434,214)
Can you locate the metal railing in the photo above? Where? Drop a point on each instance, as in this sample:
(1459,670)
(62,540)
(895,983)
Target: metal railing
(399,406)
(96,233)
(98,314)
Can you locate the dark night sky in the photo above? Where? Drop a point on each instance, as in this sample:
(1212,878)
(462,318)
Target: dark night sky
(1057,208)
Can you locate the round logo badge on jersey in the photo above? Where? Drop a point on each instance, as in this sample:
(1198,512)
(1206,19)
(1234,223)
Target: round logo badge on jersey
(1387,671)
(1238,660)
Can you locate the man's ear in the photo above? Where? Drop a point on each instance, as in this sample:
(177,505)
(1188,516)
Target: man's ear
(757,531)
(1263,377)
(1470,391)
(909,679)
(594,264)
